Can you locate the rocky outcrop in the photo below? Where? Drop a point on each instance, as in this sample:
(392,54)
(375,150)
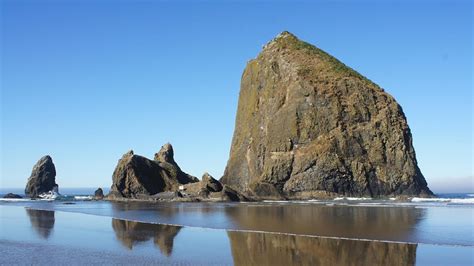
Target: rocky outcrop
(210,183)
(203,188)
(167,195)
(210,189)
(137,177)
(98,194)
(42,179)
(12,196)
(308,125)
(230,194)
(165,159)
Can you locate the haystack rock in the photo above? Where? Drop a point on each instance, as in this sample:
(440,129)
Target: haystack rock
(307,125)
(136,176)
(42,179)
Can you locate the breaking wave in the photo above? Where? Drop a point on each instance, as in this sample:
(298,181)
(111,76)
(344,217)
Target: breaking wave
(445,200)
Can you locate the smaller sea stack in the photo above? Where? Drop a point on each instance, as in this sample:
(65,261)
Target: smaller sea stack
(43,177)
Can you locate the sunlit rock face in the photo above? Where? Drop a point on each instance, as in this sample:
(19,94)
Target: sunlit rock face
(308,126)
(278,249)
(136,176)
(131,233)
(42,178)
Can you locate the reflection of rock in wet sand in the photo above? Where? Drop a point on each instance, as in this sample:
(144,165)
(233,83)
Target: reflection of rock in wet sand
(131,233)
(277,249)
(354,222)
(41,221)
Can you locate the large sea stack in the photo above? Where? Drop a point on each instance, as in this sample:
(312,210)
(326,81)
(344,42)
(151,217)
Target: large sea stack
(307,125)
(136,176)
(42,179)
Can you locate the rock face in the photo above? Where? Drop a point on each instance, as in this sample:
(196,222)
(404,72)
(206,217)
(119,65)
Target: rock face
(203,189)
(167,195)
(230,194)
(307,124)
(136,176)
(207,183)
(165,159)
(210,189)
(99,194)
(210,183)
(42,179)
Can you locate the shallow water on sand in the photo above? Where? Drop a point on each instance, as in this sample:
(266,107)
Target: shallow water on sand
(413,224)
(59,237)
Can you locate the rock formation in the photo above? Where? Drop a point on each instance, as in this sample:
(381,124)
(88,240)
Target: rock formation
(136,176)
(167,195)
(165,159)
(203,188)
(307,125)
(12,196)
(42,179)
(230,194)
(210,183)
(210,189)
(98,194)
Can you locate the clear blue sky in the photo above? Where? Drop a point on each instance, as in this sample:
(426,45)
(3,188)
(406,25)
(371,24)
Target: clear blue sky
(85,81)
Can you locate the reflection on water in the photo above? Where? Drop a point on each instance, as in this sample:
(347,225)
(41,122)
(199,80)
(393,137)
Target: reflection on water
(278,249)
(201,246)
(341,221)
(131,233)
(379,223)
(41,221)
(429,224)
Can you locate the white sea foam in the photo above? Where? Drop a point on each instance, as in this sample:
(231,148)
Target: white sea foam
(445,200)
(51,195)
(83,197)
(351,198)
(465,201)
(24,199)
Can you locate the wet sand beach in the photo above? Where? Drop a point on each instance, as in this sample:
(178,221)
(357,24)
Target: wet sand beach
(65,236)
